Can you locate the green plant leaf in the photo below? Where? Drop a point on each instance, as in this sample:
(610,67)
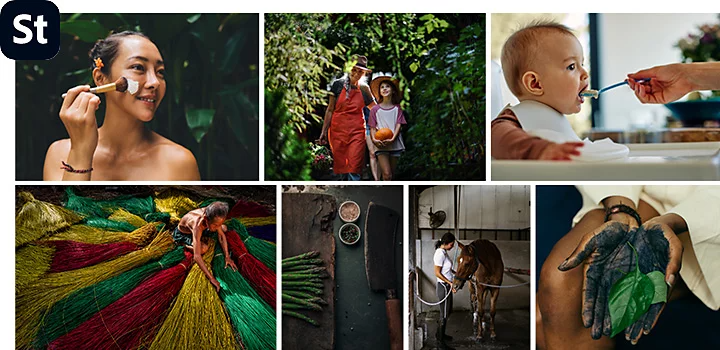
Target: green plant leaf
(658,280)
(87,31)
(630,297)
(199,122)
(194,18)
(414,67)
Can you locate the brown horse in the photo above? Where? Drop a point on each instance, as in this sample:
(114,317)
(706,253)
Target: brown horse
(480,263)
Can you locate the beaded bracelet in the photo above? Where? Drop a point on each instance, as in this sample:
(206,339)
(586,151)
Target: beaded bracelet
(622,208)
(67,167)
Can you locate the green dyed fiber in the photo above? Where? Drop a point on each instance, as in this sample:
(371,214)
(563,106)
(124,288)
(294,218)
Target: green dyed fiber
(102,208)
(82,304)
(109,225)
(83,205)
(158,217)
(260,249)
(251,316)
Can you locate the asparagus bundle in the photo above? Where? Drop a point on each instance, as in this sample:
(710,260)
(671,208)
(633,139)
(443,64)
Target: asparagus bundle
(302,285)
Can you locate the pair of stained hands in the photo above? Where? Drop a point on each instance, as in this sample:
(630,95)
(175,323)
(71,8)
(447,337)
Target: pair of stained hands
(607,257)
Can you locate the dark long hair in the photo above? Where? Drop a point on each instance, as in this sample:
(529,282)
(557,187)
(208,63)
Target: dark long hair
(446,238)
(107,49)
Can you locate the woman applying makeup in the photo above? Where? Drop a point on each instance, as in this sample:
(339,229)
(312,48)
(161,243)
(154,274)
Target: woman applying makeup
(123,148)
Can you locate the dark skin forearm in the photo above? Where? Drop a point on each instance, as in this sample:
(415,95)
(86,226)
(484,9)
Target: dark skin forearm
(197,253)
(223,241)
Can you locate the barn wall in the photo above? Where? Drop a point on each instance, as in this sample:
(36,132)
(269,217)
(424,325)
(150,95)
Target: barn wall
(482,207)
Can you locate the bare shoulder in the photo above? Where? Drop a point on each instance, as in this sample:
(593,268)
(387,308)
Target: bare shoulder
(181,163)
(56,153)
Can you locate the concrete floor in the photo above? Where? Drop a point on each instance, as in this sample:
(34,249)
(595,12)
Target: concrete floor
(511,326)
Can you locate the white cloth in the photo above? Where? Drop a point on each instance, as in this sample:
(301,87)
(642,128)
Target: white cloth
(442,259)
(541,120)
(699,206)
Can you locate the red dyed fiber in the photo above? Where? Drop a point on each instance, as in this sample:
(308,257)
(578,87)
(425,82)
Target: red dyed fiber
(71,255)
(133,320)
(261,277)
(248,210)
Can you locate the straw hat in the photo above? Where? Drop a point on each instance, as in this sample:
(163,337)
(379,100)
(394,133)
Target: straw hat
(375,85)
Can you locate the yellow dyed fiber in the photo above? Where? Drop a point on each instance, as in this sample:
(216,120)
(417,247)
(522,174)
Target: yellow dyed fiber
(262,221)
(31,262)
(197,319)
(175,203)
(126,216)
(36,218)
(89,234)
(33,302)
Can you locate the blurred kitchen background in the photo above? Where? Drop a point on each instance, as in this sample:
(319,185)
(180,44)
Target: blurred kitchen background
(618,44)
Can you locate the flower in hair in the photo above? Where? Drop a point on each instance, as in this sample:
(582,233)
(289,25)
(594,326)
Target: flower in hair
(99,63)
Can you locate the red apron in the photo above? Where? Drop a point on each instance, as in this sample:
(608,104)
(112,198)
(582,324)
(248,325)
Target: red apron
(347,133)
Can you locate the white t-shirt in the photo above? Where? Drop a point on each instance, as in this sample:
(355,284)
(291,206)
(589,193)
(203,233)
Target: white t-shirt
(443,260)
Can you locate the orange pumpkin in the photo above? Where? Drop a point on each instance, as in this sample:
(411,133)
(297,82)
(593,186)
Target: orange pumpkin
(383,134)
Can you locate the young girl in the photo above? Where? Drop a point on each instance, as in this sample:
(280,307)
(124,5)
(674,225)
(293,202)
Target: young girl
(387,114)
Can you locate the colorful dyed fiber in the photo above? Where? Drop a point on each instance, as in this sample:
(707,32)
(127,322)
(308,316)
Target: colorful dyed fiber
(67,314)
(71,255)
(157,217)
(262,250)
(261,277)
(248,210)
(267,232)
(253,319)
(34,218)
(102,208)
(32,303)
(174,202)
(83,205)
(197,319)
(109,225)
(260,221)
(123,215)
(31,262)
(88,234)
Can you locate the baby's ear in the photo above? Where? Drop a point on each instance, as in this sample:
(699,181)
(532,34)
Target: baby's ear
(531,83)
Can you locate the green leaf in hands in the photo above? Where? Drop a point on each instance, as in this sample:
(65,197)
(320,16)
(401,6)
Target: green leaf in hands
(658,280)
(630,298)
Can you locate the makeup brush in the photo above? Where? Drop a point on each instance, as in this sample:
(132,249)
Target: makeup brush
(121,85)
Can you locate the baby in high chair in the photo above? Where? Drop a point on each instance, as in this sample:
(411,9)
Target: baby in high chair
(543,66)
